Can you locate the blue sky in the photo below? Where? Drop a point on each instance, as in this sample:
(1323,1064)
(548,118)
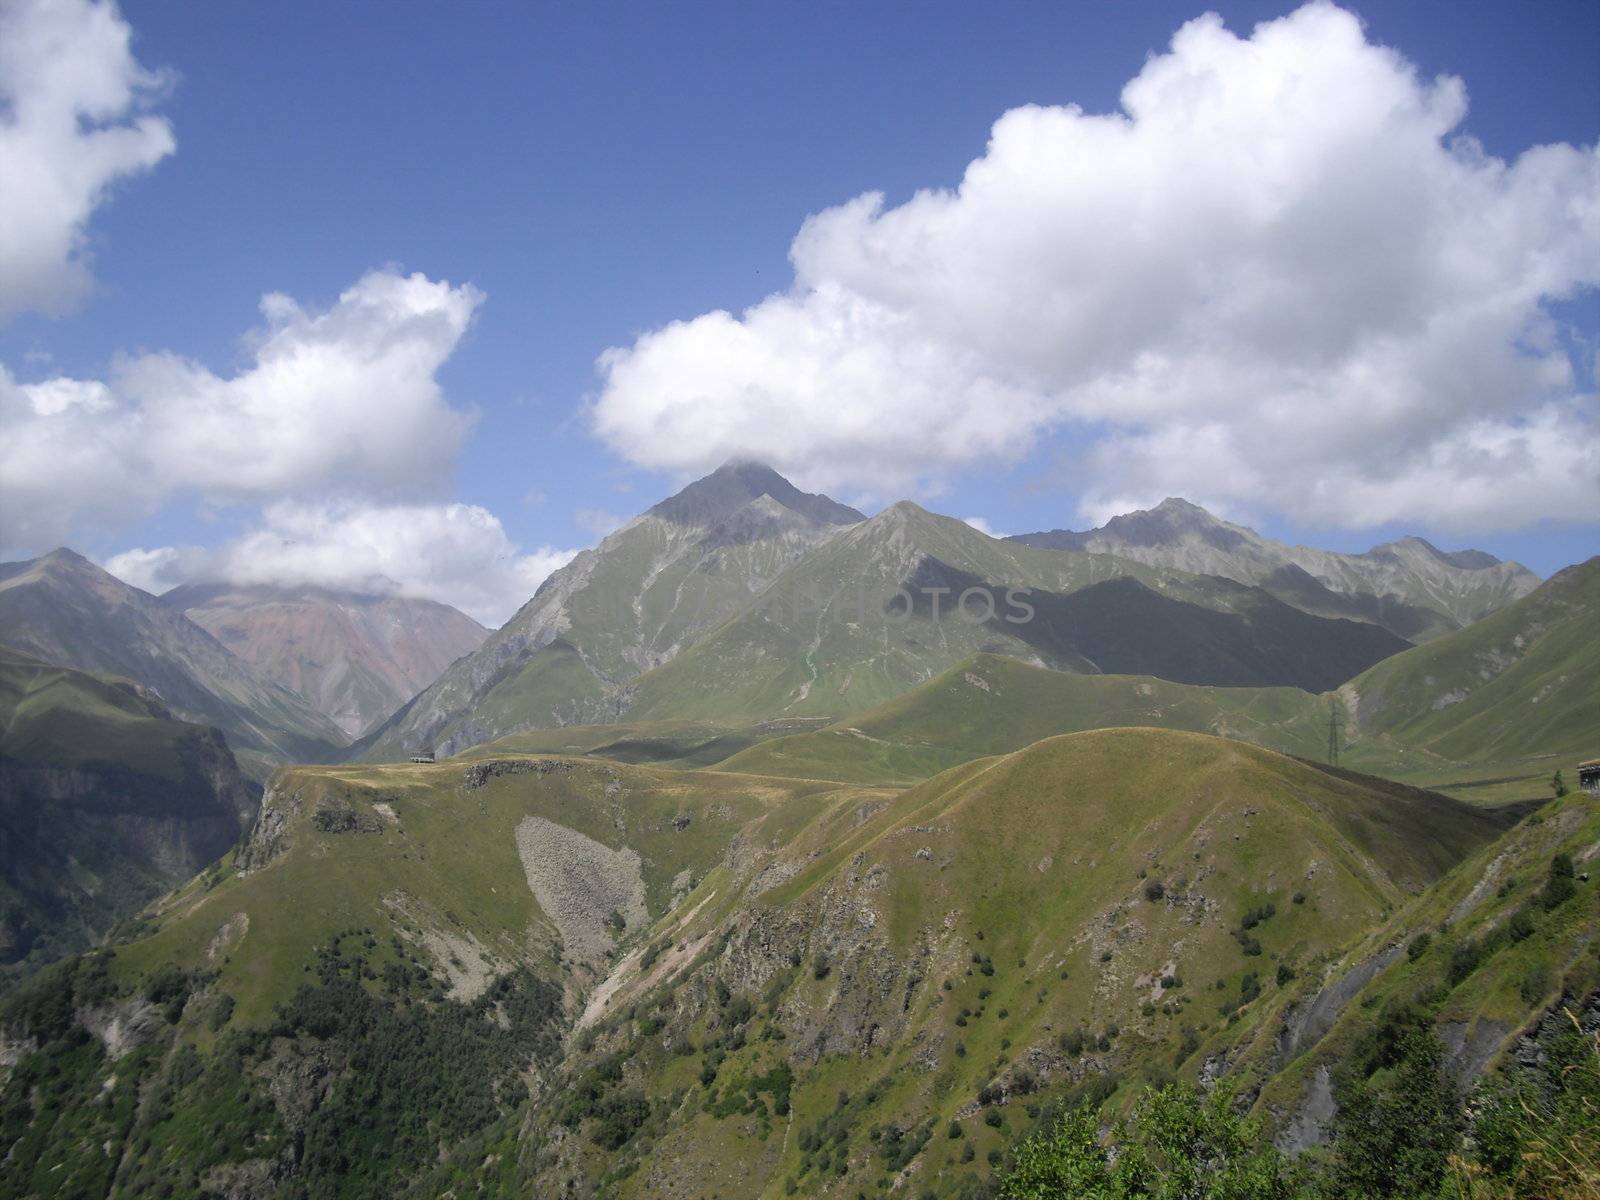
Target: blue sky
(597,172)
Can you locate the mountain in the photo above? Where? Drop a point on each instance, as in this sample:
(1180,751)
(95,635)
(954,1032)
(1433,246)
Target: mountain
(354,656)
(629,604)
(106,801)
(1408,586)
(717,606)
(1493,709)
(1519,684)
(874,612)
(67,611)
(535,975)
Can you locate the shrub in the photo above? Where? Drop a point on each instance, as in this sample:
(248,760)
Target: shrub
(1559,887)
(1249,987)
(1464,960)
(1154,890)
(1419,945)
(1520,927)
(1535,983)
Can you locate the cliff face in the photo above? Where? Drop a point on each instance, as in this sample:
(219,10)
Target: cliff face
(355,657)
(105,803)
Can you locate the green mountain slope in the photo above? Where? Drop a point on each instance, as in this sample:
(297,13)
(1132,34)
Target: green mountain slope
(873,613)
(991,704)
(685,969)
(106,802)
(1512,696)
(1493,710)
(65,610)
(1520,681)
(632,603)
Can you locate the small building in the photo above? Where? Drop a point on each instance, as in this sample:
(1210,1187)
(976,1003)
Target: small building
(423,756)
(1589,776)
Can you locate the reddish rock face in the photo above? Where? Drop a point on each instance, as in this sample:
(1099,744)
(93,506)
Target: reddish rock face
(355,657)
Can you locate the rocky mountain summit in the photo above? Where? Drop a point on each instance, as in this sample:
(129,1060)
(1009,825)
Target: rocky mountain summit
(1408,586)
(633,602)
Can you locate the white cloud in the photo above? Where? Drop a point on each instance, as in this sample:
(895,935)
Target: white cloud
(456,553)
(1276,277)
(337,403)
(982,526)
(73,121)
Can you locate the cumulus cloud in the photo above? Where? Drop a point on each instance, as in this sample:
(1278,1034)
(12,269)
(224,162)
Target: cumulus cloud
(342,402)
(456,553)
(74,120)
(1277,277)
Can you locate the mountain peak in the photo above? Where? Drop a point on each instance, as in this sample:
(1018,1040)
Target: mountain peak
(1178,506)
(63,567)
(735,484)
(1466,560)
(1168,523)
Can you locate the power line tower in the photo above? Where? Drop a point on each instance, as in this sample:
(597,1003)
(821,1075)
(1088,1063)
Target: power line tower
(1333,733)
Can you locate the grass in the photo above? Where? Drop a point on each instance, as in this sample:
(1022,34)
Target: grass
(448,863)
(1004,873)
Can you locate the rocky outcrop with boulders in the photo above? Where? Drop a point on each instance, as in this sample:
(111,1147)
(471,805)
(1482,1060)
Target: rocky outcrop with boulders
(478,774)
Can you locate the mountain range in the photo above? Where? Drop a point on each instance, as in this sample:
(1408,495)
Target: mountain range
(66,611)
(774,849)
(743,598)
(1408,586)
(354,656)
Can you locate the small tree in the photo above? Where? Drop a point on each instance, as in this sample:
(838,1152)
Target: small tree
(1558,785)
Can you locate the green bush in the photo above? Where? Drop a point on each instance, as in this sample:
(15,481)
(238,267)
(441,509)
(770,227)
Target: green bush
(1176,1145)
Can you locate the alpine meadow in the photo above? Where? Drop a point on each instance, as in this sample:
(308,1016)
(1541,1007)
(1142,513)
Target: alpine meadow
(1100,699)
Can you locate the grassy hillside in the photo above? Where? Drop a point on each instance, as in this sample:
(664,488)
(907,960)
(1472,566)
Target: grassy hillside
(1523,675)
(684,969)
(106,801)
(991,704)
(1000,931)
(1497,707)
(430,854)
(667,743)
(1475,961)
